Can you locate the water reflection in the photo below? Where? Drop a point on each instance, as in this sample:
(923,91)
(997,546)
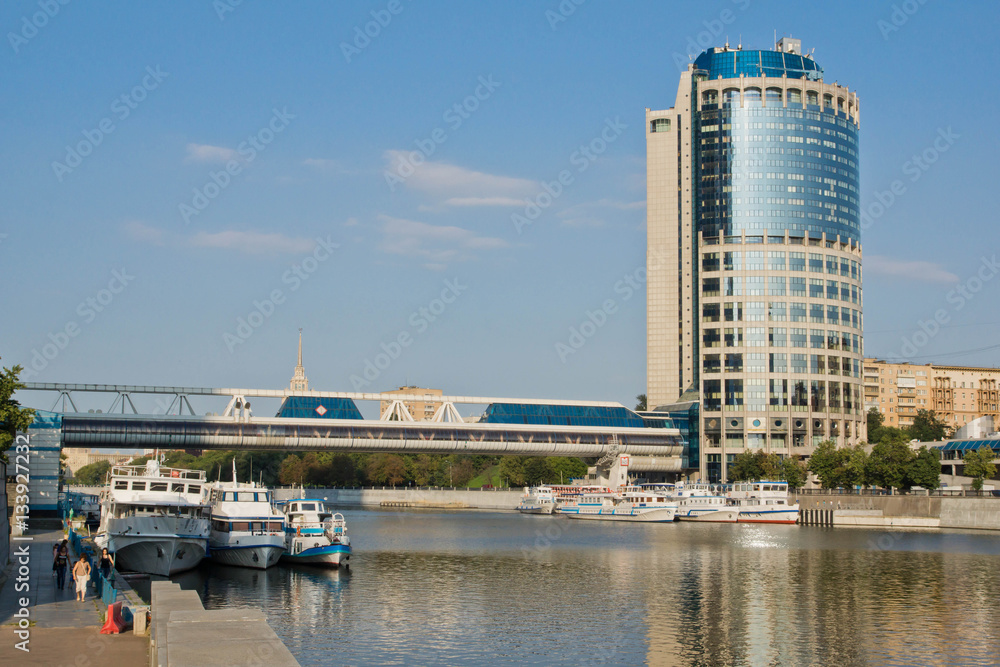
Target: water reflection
(468,588)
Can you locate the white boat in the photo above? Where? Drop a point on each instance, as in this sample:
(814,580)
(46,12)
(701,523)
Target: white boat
(629,503)
(314,535)
(537,500)
(763,502)
(246,528)
(153,519)
(704,502)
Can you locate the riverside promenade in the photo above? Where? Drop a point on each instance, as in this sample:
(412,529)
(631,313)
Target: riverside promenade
(60,630)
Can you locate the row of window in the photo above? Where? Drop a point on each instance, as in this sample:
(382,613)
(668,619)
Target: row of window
(780,362)
(776,286)
(779,311)
(778,260)
(172,487)
(760,394)
(777,112)
(817,339)
(753,96)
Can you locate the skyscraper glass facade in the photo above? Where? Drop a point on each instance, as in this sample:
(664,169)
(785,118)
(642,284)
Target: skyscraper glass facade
(759,199)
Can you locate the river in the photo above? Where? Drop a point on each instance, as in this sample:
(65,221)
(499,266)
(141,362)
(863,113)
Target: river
(468,588)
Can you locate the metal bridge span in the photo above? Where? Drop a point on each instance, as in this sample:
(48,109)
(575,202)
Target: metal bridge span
(237,429)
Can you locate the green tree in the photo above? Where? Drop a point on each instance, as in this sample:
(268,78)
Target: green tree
(979,466)
(889,462)
(875,419)
(13,417)
(292,471)
(925,468)
(855,466)
(770,465)
(93,474)
(537,470)
(746,466)
(512,470)
(793,471)
(927,427)
(826,463)
(640,403)
(566,468)
(387,469)
(462,471)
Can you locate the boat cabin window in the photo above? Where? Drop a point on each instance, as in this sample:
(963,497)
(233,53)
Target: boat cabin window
(308,507)
(177,488)
(121,484)
(138,486)
(193,488)
(157,486)
(241,525)
(247,496)
(221,526)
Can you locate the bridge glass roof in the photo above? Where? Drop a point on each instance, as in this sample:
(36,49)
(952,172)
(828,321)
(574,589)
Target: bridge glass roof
(307,407)
(564,415)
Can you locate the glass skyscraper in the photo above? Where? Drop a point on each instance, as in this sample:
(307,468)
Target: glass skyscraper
(754,258)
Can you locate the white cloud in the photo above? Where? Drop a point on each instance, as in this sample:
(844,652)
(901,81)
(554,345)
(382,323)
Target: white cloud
(140,231)
(452,181)
(484,201)
(592,214)
(437,244)
(252,242)
(207,153)
(926,272)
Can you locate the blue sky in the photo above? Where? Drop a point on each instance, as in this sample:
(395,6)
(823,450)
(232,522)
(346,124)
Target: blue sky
(119,123)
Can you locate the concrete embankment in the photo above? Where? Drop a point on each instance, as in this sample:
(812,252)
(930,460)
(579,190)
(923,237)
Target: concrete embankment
(489,499)
(185,634)
(909,511)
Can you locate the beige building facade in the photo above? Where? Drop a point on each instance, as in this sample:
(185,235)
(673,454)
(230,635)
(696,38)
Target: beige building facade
(754,293)
(420,410)
(957,394)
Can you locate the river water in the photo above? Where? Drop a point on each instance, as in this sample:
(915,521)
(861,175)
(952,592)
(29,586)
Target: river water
(466,588)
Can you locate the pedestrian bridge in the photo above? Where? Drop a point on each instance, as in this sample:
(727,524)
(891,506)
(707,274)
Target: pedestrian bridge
(330,421)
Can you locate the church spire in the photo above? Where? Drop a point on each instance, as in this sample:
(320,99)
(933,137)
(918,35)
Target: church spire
(299,380)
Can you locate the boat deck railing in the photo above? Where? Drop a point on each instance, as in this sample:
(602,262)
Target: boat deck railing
(169,473)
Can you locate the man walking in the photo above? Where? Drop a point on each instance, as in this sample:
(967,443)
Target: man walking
(81,575)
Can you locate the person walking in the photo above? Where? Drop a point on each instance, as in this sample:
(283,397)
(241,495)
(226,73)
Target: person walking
(106,564)
(59,564)
(81,575)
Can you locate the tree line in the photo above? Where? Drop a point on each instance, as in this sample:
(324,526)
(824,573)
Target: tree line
(329,469)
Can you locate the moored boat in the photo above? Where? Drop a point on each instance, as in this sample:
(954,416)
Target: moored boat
(537,500)
(704,502)
(315,535)
(247,530)
(153,519)
(629,503)
(763,502)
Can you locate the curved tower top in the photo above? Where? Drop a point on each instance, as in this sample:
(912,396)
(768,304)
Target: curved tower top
(726,63)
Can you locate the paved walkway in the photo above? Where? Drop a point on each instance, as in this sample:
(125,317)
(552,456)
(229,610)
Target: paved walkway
(49,608)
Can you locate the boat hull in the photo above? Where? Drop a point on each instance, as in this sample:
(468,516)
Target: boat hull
(163,555)
(162,545)
(536,509)
(786,516)
(332,555)
(259,557)
(662,515)
(709,516)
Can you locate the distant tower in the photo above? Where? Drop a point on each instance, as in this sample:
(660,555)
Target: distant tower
(299,380)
